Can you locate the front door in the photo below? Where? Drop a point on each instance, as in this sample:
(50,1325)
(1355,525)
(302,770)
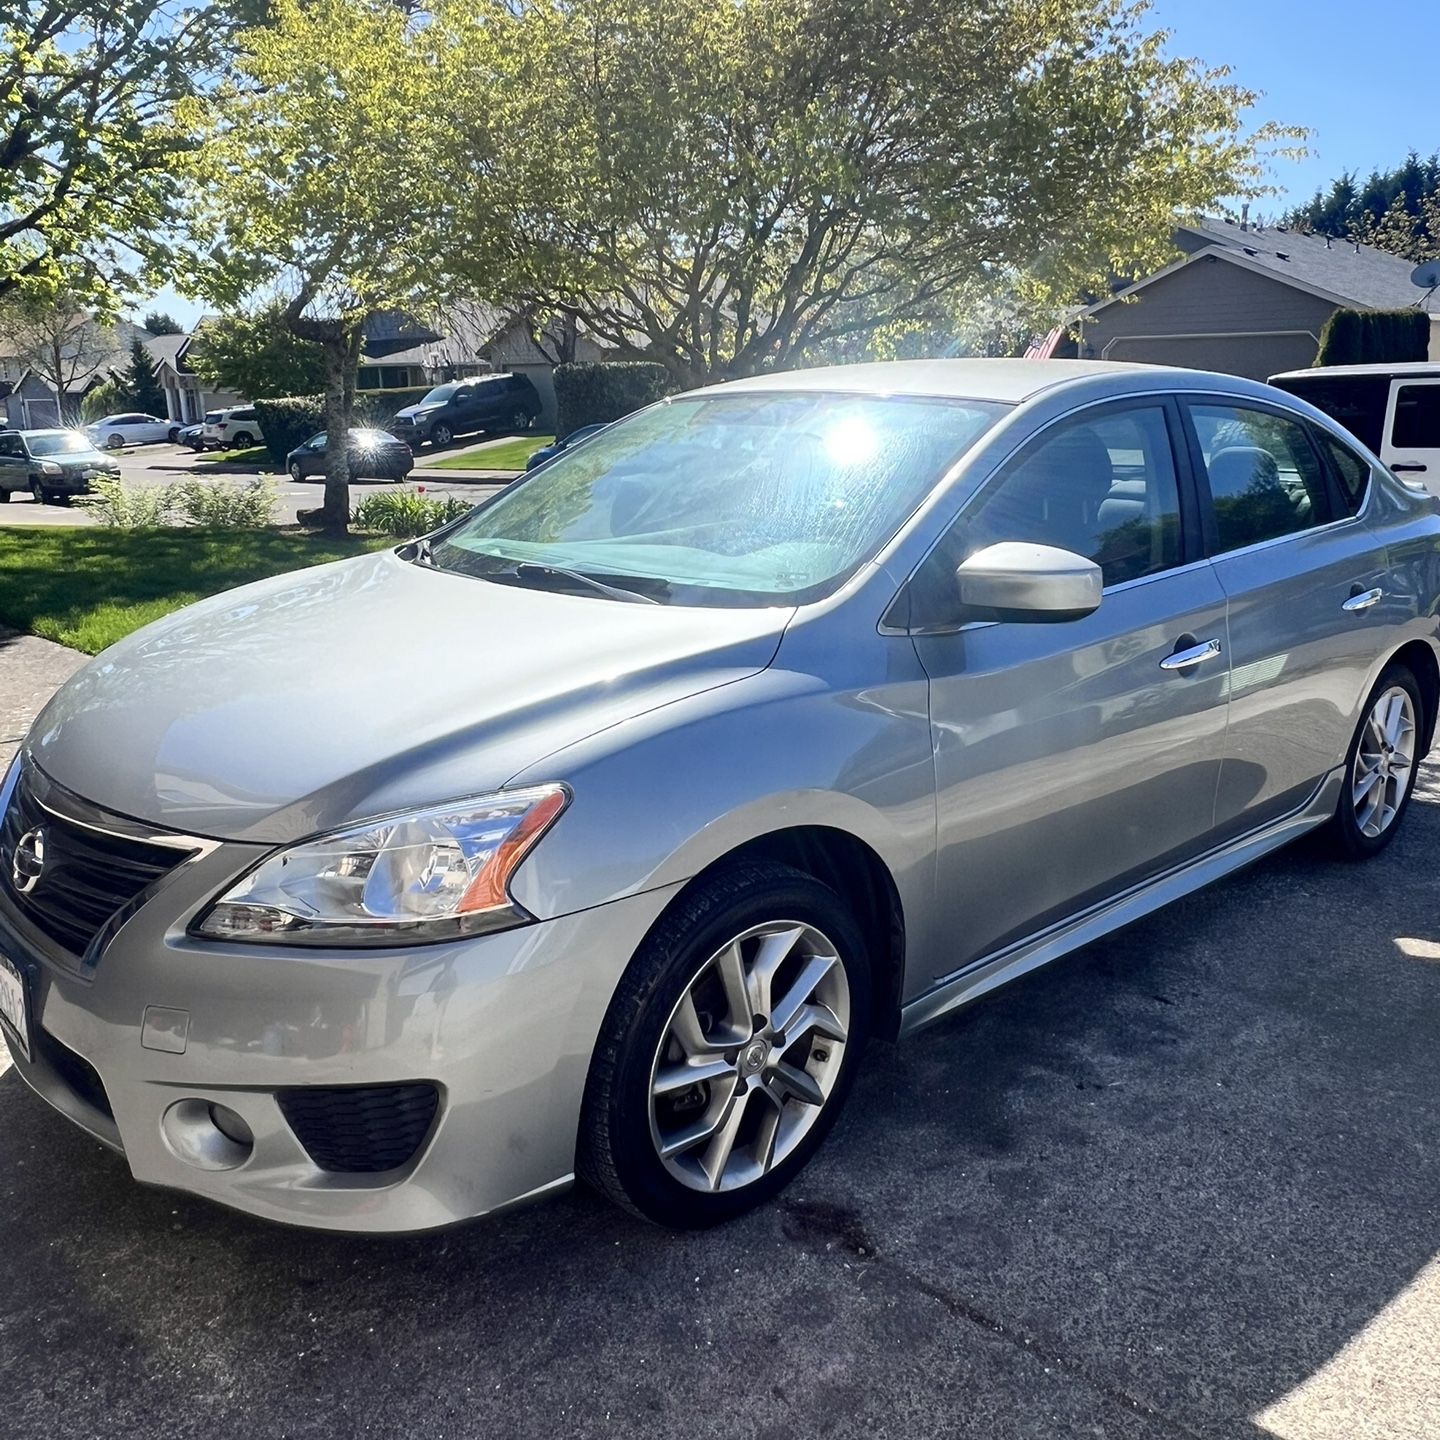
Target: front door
(1306,582)
(1412,432)
(1075,759)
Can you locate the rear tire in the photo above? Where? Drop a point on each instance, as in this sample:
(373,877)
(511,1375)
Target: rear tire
(242,441)
(115,442)
(756,938)
(520,420)
(1380,767)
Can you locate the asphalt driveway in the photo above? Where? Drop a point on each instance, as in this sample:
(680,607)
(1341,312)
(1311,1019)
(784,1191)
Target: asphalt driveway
(1185,1183)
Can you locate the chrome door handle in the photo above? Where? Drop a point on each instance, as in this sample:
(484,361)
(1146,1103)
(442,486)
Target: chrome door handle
(1195,655)
(1363,601)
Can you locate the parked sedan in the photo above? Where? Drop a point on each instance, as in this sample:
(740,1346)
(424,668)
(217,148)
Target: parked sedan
(795,710)
(374,455)
(115,431)
(559,447)
(192,436)
(52,465)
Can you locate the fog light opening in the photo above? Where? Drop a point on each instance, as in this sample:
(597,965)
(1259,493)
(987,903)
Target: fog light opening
(208,1136)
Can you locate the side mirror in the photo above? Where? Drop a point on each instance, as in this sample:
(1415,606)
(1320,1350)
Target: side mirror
(1034,584)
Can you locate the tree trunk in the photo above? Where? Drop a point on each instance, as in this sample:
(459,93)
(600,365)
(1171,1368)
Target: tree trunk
(339,408)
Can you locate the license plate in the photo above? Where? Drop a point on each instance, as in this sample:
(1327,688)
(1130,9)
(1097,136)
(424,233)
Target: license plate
(12,1004)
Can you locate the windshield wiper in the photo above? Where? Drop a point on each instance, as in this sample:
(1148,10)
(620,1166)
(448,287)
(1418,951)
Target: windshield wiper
(532,569)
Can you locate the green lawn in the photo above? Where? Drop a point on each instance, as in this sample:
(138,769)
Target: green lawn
(508,455)
(89,587)
(255,455)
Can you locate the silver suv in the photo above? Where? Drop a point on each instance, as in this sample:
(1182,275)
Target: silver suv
(597,832)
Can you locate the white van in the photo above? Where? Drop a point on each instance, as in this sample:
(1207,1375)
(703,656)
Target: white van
(1394,409)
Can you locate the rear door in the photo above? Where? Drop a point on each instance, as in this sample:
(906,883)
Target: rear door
(1305,577)
(1412,431)
(14,463)
(1074,759)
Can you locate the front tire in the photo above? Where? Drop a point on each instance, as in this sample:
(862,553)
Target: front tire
(295,472)
(441,435)
(40,494)
(728,1049)
(1380,766)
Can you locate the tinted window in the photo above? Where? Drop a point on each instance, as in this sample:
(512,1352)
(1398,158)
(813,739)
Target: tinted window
(1417,418)
(1351,471)
(1356,401)
(10,445)
(1264,478)
(1102,487)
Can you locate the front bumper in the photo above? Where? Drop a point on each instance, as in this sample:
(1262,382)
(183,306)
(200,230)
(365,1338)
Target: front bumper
(503,1025)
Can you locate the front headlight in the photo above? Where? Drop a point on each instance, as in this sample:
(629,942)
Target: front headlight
(49,467)
(405,879)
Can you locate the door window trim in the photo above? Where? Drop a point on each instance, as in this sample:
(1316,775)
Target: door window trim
(1213,550)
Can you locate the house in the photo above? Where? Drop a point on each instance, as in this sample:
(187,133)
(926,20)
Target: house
(30,402)
(471,339)
(187,398)
(1246,299)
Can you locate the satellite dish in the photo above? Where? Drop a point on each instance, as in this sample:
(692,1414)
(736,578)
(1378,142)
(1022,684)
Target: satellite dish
(1426,276)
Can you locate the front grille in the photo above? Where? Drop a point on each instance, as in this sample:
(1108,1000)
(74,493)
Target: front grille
(360,1129)
(75,1070)
(86,875)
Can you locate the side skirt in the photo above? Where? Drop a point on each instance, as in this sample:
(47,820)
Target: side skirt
(960,989)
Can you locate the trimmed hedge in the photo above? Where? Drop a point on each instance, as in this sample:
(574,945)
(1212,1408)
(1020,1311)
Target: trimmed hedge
(290,420)
(1374,337)
(595,392)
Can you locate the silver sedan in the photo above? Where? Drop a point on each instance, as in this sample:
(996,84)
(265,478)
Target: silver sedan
(599,831)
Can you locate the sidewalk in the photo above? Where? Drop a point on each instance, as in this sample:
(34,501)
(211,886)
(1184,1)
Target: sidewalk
(31,670)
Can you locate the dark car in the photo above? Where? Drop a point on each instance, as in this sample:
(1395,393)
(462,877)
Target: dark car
(52,465)
(374,455)
(467,407)
(559,447)
(193,436)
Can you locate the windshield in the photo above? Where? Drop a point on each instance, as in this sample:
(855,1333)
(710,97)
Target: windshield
(59,442)
(745,499)
(441,393)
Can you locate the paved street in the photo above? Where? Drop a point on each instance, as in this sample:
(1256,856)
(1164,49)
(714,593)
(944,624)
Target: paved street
(1186,1183)
(166,464)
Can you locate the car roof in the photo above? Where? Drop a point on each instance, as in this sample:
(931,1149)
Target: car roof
(1009,382)
(48,430)
(1412,369)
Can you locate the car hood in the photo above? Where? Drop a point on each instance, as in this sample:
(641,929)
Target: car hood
(415,412)
(355,689)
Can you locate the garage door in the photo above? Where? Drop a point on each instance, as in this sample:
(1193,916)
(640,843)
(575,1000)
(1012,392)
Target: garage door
(1255,356)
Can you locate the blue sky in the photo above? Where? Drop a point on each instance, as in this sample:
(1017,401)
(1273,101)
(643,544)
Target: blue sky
(1357,73)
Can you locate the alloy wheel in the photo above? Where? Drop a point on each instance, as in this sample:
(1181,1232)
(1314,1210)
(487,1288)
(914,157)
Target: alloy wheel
(1384,762)
(750,1056)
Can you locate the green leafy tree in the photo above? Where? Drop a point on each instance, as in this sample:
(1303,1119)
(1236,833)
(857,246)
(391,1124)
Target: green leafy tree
(252,353)
(161,322)
(326,183)
(138,387)
(92,101)
(731,188)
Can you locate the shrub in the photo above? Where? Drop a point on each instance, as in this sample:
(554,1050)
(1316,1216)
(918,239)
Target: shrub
(99,401)
(595,392)
(1374,337)
(406,513)
(249,505)
(129,507)
(291,420)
